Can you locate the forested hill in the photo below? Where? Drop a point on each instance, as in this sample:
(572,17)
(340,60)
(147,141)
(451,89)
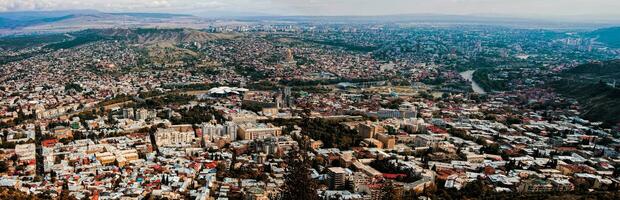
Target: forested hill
(609,36)
(606,69)
(599,101)
(591,85)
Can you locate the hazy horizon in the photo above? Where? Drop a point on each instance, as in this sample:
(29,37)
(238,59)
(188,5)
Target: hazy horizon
(542,9)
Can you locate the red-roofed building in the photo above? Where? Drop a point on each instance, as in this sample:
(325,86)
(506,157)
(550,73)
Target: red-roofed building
(95,195)
(211,165)
(394,176)
(437,130)
(49,143)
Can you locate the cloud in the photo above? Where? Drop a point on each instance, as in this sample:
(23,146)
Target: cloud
(508,7)
(332,7)
(11,5)
(109,5)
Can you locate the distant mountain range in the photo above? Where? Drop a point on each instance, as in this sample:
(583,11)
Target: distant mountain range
(29,18)
(12,23)
(73,20)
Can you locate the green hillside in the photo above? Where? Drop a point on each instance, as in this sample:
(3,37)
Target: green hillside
(608,71)
(609,36)
(599,102)
(598,68)
(588,85)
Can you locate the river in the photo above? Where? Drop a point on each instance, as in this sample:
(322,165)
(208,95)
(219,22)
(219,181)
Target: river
(468,75)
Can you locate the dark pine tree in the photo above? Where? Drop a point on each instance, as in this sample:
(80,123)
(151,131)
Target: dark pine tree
(298,183)
(39,151)
(389,192)
(152,132)
(64,194)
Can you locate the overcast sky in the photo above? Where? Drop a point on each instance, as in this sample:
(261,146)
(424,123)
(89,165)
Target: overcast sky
(518,8)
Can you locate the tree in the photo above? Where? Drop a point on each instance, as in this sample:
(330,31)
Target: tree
(65,192)
(391,130)
(10,193)
(165,180)
(39,151)
(3,167)
(5,134)
(298,184)
(581,185)
(389,192)
(152,132)
(473,189)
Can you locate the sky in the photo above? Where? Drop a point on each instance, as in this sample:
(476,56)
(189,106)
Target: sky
(509,8)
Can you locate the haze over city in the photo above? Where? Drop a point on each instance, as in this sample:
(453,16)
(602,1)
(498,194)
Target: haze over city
(309,99)
(573,9)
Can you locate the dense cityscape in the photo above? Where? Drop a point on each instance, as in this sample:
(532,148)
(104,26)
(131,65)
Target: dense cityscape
(311,110)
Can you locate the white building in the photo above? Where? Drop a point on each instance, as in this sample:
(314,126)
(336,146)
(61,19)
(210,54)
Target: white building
(174,137)
(251,131)
(212,132)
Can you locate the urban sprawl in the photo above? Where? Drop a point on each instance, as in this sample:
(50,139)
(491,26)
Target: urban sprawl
(330,111)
